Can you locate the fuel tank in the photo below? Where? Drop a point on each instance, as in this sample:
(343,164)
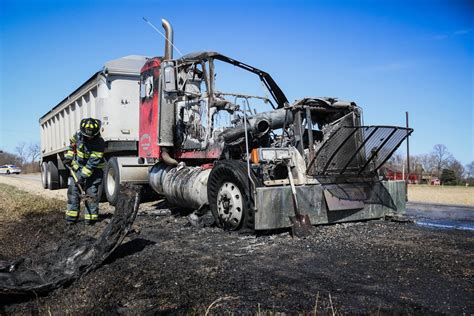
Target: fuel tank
(182,186)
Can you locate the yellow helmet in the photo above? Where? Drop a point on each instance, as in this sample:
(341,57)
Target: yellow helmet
(90,127)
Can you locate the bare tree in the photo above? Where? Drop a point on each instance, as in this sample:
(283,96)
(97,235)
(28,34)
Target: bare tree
(428,163)
(395,163)
(22,152)
(8,158)
(416,163)
(469,170)
(34,151)
(442,157)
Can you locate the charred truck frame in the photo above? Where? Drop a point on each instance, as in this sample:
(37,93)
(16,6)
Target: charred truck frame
(313,154)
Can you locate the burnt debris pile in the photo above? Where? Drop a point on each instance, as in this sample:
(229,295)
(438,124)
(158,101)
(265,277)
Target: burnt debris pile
(73,259)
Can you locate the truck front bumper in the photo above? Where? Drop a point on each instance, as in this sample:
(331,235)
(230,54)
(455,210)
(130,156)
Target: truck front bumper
(275,204)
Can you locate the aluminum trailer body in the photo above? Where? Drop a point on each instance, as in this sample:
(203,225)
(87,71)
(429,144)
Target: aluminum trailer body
(111,95)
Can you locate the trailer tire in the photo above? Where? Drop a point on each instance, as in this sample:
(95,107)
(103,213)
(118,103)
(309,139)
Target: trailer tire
(112,181)
(101,190)
(44,174)
(229,196)
(63,178)
(53,176)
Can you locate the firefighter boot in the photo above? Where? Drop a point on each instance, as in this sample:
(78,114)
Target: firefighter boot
(73,203)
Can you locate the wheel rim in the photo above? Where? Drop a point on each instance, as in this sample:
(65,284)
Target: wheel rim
(111,182)
(230,205)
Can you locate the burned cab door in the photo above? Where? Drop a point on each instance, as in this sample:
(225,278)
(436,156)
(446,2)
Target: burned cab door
(149,109)
(168,94)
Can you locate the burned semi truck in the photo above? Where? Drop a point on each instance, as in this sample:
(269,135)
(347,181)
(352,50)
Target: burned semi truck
(252,159)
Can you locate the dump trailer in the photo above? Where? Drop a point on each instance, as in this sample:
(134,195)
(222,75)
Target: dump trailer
(112,95)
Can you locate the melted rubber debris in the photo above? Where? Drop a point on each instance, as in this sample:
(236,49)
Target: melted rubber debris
(73,259)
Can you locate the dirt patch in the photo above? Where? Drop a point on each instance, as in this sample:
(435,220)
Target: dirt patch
(457,195)
(172,267)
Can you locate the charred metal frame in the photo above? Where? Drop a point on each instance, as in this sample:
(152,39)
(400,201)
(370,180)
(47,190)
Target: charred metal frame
(270,84)
(388,142)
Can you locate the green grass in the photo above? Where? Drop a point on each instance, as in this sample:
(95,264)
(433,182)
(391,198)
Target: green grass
(15,203)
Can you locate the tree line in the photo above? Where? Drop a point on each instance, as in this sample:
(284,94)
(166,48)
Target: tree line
(25,156)
(439,163)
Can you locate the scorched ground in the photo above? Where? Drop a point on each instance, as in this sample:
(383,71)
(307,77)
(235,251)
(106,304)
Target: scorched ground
(168,266)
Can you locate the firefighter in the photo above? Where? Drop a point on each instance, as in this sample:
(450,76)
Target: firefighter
(85,156)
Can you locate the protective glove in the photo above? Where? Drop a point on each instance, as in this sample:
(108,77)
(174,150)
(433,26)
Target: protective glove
(67,162)
(80,179)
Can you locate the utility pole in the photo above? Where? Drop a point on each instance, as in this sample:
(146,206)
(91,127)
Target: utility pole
(408,147)
(408,156)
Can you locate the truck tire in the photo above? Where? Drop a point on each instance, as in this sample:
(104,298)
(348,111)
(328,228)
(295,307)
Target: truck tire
(44,174)
(112,181)
(63,178)
(53,176)
(101,190)
(229,196)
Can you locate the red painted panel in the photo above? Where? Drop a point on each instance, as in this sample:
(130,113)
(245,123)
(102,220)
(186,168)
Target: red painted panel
(212,154)
(149,110)
(397,175)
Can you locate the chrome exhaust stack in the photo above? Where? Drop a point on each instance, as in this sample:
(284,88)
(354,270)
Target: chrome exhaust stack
(169,39)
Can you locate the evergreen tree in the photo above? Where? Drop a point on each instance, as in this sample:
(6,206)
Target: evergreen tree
(448,177)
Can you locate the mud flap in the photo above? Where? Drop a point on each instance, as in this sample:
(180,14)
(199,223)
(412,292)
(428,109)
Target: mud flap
(336,204)
(355,196)
(72,260)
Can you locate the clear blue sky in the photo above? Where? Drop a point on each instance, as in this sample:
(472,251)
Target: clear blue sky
(388,56)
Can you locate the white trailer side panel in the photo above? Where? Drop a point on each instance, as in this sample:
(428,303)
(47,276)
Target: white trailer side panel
(119,112)
(111,95)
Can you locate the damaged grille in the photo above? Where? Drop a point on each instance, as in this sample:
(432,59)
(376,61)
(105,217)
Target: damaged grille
(357,150)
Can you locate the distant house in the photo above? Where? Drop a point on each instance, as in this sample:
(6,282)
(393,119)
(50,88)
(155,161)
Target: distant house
(412,178)
(430,180)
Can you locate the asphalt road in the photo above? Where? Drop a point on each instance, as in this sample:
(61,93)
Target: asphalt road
(28,176)
(442,216)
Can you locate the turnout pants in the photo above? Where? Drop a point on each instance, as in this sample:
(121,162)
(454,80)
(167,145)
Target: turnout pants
(91,187)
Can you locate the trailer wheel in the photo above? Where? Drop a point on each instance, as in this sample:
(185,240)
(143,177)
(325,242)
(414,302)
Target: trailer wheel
(53,176)
(63,178)
(229,196)
(44,174)
(101,191)
(112,181)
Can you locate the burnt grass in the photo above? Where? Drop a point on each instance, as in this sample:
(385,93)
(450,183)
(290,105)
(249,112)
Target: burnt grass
(167,266)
